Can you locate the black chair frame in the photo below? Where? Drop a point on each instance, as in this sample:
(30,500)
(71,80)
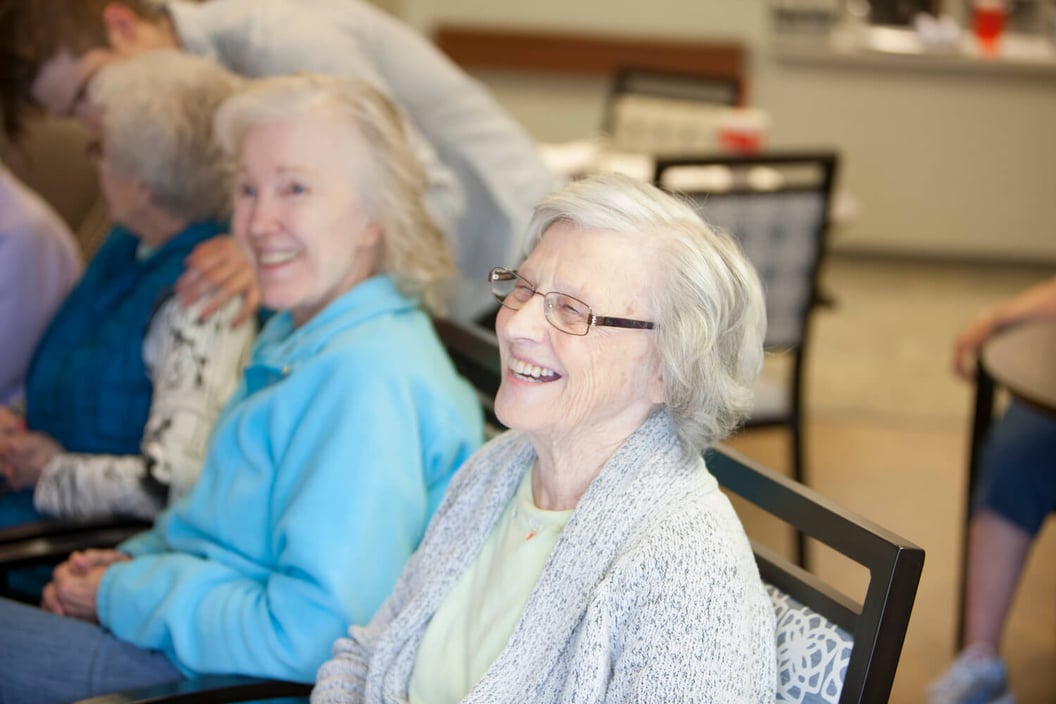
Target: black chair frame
(212,689)
(878,623)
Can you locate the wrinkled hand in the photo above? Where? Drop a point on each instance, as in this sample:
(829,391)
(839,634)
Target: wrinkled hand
(217,271)
(23,457)
(75,583)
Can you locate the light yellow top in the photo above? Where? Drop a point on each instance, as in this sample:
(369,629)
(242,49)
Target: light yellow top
(477,617)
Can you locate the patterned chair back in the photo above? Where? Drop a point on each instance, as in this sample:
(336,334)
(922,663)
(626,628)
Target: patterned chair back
(782,235)
(776,206)
(812,652)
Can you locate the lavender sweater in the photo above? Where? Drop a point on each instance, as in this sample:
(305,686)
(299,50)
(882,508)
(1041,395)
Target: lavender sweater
(651,593)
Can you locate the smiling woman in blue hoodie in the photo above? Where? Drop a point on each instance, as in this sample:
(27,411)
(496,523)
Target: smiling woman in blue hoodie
(330,457)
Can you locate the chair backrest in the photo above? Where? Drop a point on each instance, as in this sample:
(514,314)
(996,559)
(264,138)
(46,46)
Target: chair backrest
(831,648)
(475,352)
(659,112)
(777,206)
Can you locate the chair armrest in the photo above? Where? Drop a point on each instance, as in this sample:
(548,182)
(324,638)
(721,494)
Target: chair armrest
(44,541)
(211,689)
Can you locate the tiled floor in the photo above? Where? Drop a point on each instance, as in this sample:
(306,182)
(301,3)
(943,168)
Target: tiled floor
(888,436)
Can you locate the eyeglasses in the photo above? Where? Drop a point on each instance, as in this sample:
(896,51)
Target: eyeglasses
(564,312)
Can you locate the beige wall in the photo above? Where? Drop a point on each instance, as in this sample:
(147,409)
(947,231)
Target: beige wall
(942,163)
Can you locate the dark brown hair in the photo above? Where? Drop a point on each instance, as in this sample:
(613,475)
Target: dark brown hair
(34,31)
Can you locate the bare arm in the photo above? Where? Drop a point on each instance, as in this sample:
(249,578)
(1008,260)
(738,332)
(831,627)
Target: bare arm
(1036,303)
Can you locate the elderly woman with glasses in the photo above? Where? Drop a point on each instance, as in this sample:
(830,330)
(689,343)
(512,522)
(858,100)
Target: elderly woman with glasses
(587,554)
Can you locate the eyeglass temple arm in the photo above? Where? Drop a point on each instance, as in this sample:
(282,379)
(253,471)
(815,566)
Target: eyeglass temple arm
(606,321)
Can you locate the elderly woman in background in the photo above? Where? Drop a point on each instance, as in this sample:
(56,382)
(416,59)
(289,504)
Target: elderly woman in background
(125,385)
(588,555)
(331,455)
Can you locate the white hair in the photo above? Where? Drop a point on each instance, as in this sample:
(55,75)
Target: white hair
(391,184)
(157,116)
(708,303)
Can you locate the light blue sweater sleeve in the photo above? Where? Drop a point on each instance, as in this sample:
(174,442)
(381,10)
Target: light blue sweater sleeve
(145,543)
(315,544)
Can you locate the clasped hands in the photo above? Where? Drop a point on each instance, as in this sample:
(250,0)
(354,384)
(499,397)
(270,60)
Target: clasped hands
(75,583)
(23,453)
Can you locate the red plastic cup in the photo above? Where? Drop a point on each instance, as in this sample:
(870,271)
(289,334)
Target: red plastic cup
(988,23)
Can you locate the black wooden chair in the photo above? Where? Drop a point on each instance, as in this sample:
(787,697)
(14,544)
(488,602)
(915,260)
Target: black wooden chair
(831,647)
(776,204)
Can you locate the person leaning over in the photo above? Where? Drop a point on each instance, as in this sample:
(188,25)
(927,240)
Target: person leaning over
(333,452)
(587,554)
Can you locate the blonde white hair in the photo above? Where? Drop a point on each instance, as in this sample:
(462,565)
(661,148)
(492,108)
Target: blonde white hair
(707,302)
(157,119)
(391,182)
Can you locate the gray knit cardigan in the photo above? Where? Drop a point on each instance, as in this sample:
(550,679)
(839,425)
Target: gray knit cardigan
(650,595)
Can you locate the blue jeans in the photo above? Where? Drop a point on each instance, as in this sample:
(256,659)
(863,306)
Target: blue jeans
(1017,479)
(49,659)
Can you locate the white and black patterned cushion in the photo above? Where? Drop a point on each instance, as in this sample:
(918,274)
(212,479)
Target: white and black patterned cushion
(812,652)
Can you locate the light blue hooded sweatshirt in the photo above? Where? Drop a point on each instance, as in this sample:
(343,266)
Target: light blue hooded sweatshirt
(322,474)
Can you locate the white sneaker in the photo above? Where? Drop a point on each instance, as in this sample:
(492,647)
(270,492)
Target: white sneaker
(973,678)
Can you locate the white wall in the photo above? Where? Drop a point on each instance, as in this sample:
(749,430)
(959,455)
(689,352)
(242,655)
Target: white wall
(942,163)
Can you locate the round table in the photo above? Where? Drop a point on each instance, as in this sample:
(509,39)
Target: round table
(1023,360)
